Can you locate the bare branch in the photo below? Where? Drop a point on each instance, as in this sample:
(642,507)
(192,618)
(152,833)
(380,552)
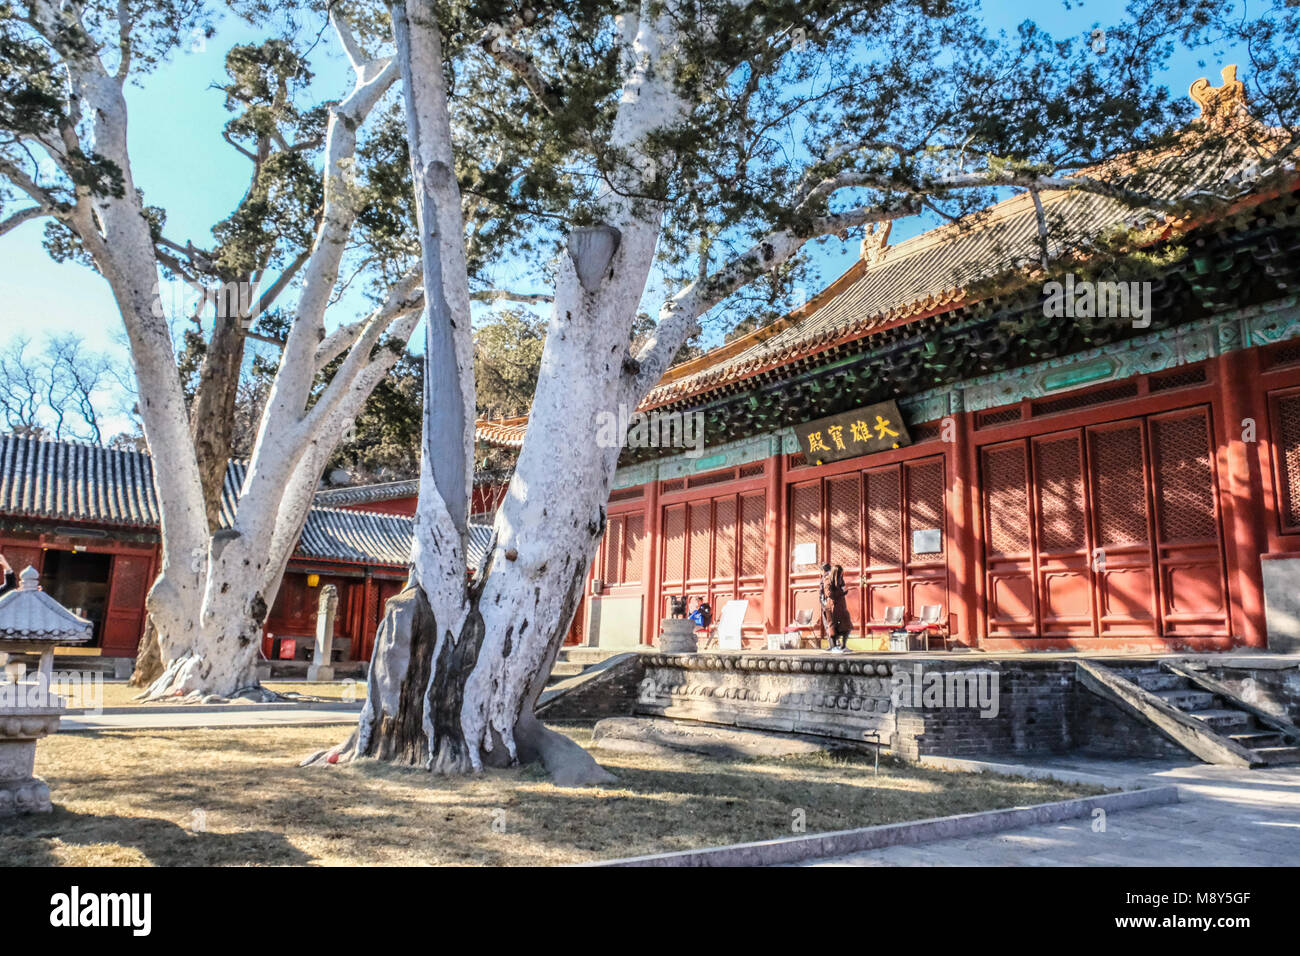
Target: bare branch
(22,216)
(505,295)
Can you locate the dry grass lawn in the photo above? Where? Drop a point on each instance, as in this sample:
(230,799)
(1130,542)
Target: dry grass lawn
(117,694)
(206,797)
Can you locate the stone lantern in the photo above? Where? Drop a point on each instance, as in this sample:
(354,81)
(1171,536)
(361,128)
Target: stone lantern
(30,620)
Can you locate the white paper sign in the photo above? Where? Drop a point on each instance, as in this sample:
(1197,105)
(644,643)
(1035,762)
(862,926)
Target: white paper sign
(805,553)
(729,624)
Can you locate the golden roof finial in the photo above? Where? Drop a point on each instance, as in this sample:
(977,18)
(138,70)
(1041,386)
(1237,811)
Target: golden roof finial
(1220,102)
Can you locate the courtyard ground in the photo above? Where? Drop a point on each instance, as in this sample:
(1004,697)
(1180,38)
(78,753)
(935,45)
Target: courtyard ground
(118,694)
(216,797)
(1226,816)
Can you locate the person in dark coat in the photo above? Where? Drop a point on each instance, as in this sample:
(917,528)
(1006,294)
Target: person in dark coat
(10,579)
(835,607)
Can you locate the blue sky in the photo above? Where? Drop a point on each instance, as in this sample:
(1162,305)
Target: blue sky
(183,165)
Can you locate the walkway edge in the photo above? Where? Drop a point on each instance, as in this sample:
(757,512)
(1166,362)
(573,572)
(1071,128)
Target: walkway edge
(841,842)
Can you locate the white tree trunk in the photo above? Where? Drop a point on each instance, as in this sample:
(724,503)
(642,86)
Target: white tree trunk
(457,670)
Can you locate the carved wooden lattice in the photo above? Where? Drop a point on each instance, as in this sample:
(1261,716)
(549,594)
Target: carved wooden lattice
(806,508)
(635,549)
(700,520)
(1007,500)
(1184,477)
(1118,489)
(613,573)
(753,539)
(884,519)
(925,504)
(1058,486)
(674,543)
(845,521)
(724,538)
(1288,440)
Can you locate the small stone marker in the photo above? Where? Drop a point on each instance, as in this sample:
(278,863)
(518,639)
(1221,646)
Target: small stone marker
(322,666)
(30,620)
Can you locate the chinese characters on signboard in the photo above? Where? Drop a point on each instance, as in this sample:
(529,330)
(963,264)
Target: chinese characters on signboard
(868,430)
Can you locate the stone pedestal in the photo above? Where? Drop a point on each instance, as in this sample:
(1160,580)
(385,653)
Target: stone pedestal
(20,729)
(322,666)
(677,636)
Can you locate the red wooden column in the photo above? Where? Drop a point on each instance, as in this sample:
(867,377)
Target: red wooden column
(1241,492)
(651,612)
(775,570)
(963,512)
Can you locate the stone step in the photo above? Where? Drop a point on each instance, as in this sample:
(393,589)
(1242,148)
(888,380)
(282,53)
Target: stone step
(1156,679)
(1222,719)
(1188,698)
(567,668)
(1257,739)
(1279,755)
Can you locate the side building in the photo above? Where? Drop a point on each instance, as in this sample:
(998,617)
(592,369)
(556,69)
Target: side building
(87,517)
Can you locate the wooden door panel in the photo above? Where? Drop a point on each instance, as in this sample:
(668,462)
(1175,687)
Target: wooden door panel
(1190,553)
(1125,600)
(124,614)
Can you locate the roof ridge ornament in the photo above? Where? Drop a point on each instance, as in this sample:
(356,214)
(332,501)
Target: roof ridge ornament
(1219,103)
(874,241)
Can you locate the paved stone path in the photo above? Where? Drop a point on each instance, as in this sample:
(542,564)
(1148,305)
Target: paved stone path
(1226,817)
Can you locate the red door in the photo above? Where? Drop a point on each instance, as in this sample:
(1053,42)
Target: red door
(886,527)
(1107,531)
(715,550)
(124,614)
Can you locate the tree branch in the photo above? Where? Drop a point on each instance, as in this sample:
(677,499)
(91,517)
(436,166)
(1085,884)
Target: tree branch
(505,295)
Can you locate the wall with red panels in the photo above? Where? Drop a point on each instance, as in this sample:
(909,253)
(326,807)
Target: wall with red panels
(1130,516)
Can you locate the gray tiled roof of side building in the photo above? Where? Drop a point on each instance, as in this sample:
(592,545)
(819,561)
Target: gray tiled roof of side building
(80,482)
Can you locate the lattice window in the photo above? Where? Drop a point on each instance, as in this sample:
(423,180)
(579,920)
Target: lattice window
(635,549)
(713,478)
(675,543)
(1114,393)
(1006,499)
(806,510)
(925,488)
(1184,478)
(1288,440)
(1287,353)
(677,484)
(928,431)
(1118,489)
(1058,485)
(753,534)
(751,471)
(613,573)
(724,538)
(884,518)
(844,520)
(700,525)
(999,416)
(1179,378)
(627,494)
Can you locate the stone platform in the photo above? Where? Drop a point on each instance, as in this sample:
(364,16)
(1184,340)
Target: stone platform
(958,704)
